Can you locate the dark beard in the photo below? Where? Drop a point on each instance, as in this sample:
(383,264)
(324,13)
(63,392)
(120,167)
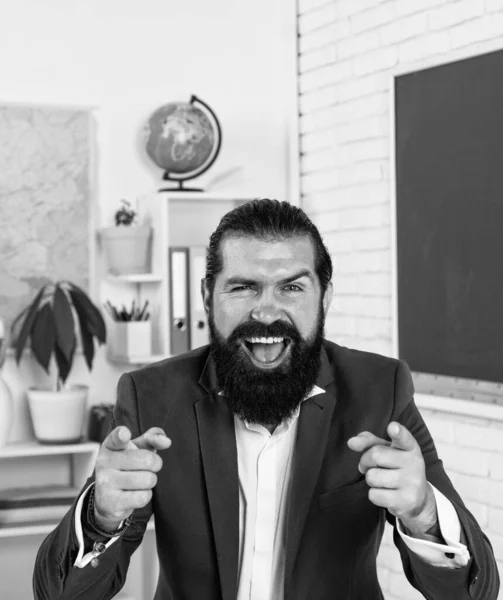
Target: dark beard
(266,397)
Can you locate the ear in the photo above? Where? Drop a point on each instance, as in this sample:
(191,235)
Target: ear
(327,297)
(205,296)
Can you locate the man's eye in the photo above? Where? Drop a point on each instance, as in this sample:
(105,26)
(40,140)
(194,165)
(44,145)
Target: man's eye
(293,288)
(240,288)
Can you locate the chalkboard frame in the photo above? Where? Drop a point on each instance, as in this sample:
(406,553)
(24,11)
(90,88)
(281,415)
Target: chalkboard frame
(476,390)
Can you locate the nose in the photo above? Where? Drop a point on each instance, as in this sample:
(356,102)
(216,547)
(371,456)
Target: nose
(267,312)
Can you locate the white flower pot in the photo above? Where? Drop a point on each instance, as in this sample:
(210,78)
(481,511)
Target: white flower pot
(130,339)
(127,249)
(58,417)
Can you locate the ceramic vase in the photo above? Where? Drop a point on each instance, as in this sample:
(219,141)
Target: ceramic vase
(58,417)
(127,249)
(6,411)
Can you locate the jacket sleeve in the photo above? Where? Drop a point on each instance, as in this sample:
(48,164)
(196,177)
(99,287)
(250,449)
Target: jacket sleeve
(479,579)
(55,577)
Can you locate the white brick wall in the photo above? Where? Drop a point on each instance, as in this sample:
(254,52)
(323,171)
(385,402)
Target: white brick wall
(348,50)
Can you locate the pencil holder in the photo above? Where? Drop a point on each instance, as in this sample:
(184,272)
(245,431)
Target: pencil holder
(130,339)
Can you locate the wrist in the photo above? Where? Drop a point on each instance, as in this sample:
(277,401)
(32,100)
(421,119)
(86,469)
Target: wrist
(103,522)
(425,524)
(107,528)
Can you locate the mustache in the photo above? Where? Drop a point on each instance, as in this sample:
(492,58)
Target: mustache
(256,329)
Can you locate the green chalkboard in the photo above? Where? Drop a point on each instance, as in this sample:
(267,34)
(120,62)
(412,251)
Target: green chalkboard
(449,203)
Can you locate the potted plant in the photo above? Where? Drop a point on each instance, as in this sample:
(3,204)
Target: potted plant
(127,244)
(49,322)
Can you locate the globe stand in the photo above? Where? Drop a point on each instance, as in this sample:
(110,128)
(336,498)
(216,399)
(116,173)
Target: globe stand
(180,187)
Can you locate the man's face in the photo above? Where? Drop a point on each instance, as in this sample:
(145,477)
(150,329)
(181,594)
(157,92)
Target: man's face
(266,321)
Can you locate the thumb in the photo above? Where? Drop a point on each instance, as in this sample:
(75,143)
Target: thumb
(401,437)
(153,439)
(118,438)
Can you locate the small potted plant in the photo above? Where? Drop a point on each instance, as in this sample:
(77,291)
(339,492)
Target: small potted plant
(131,331)
(127,244)
(58,412)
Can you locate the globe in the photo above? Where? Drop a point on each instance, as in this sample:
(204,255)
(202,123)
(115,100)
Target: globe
(183,139)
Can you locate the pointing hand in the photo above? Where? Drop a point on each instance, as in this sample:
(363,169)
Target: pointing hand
(126,474)
(395,472)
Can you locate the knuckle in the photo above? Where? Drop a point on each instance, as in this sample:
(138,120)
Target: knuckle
(101,461)
(102,478)
(156,463)
(149,460)
(373,495)
(375,454)
(144,497)
(370,477)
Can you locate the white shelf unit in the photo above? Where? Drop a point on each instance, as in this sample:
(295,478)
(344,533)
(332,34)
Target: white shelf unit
(80,459)
(33,448)
(178,219)
(43,528)
(77,461)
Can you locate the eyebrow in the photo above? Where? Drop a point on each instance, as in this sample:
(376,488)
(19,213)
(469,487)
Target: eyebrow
(246,281)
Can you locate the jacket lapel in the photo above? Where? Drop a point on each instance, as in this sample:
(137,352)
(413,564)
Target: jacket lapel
(312,434)
(218,449)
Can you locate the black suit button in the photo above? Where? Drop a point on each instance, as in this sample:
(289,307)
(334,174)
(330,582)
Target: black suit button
(95,562)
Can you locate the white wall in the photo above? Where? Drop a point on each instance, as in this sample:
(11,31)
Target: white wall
(126,58)
(349,50)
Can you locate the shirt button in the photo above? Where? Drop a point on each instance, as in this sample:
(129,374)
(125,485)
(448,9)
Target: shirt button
(95,562)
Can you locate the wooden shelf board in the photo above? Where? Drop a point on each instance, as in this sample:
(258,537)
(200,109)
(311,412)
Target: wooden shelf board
(135,278)
(136,360)
(206,197)
(33,448)
(39,529)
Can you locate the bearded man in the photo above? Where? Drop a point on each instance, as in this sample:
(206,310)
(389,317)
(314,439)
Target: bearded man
(271,458)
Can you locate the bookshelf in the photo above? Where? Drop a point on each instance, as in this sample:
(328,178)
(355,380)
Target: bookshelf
(74,463)
(178,219)
(25,464)
(19,543)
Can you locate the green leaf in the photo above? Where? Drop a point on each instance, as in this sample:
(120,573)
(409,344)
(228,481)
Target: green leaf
(65,326)
(85,333)
(42,336)
(64,363)
(95,323)
(20,341)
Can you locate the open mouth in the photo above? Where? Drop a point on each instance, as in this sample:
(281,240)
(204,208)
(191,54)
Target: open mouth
(267,353)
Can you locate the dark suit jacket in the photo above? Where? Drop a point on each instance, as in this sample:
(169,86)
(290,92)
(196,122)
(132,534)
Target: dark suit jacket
(333,530)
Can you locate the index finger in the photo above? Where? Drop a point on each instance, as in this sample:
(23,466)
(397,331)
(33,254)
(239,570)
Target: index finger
(365,440)
(153,439)
(401,437)
(138,460)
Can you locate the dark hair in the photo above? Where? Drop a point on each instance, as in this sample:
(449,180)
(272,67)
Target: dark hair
(267,220)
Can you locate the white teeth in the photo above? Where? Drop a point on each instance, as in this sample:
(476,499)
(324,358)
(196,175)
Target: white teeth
(263,340)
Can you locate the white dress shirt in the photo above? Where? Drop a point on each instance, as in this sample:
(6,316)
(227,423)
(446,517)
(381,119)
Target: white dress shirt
(264,471)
